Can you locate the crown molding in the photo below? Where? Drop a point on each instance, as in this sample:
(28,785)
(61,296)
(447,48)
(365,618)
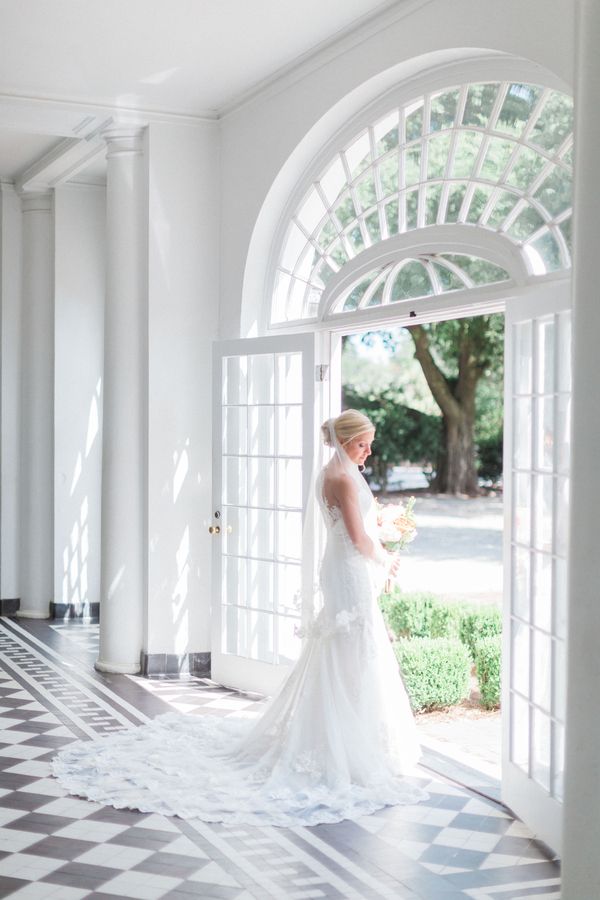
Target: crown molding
(323,53)
(64,161)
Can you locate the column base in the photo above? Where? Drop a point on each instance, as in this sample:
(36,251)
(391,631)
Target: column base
(175,664)
(88,612)
(116,668)
(9,607)
(32,614)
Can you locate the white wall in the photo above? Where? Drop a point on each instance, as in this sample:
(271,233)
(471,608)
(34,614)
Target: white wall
(10,294)
(270,141)
(183,309)
(80,246)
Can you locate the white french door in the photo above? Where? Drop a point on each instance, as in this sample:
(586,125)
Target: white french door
(536,466)
(263,446)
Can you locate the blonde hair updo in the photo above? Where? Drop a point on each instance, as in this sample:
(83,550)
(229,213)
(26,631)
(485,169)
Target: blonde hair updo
(347,426)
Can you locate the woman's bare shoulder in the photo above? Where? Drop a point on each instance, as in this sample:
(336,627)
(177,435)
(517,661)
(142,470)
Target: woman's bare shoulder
(340,483)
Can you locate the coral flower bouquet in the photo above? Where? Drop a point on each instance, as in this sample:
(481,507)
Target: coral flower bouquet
(396,526)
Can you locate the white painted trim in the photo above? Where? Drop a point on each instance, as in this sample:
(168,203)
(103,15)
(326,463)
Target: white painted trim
(31,614)
(102,666)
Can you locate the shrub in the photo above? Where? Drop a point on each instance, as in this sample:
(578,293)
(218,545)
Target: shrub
(481,622)
(436,671)
(422,615)
(488,654)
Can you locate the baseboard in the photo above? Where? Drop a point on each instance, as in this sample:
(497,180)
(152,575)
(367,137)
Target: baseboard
(88,612)
(174,664)
(9,607)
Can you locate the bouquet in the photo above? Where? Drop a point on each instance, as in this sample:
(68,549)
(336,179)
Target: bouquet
(397,527)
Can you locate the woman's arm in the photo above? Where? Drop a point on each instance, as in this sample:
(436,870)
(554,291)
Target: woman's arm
(346,497)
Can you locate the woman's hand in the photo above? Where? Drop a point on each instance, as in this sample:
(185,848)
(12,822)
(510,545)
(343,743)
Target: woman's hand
(394,565)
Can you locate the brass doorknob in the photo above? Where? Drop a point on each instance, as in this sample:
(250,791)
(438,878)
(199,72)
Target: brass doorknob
(214,529)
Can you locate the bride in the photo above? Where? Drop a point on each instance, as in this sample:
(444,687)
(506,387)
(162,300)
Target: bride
(333,743)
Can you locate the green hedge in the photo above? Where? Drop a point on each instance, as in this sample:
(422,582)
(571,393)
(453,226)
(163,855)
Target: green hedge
(488,655)
(483,622)
(436,671)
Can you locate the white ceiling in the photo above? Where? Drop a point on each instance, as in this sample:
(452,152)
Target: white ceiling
(189,56)
(18,150)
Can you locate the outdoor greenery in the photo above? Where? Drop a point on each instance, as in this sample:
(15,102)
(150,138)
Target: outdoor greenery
(488,653)
(435,671)
(416,617)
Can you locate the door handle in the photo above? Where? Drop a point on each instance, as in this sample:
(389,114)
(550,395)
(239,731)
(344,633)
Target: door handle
(214,529)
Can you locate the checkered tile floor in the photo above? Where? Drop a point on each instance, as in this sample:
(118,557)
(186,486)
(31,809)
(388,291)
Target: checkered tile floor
(455,845)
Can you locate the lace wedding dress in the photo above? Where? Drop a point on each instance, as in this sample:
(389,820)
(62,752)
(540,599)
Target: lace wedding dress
(332,744)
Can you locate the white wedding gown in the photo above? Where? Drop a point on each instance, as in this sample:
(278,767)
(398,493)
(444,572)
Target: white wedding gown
(332,744)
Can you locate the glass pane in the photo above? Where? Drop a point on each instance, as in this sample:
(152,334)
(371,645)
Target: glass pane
(521,583)
(231,628)
(365,191)
(547,250)
(540,751)
(443,110)
(520,733)
(235,430)
(295,243)
(358,154)
(467,148)
(391,217)
(289,483)
(518,105)
(261,421)
(261,486)
(289,535)
(560,598)
(235,487)
(311,212)
(438,148)
(522,508)
(235,379)
(562,516)
(385,133)
(333,180)
(545,356)
(412,206)
(280,297)
(288,645)
(411,281)
(542,525)
(412,166)
(289,430)
(564,352)
(414,121)
(558,760)
(261,533)
(559,676)
(504,205)
(527,222)
(289,599)
(260,584)
(432,203)
(527,166)
(542,669)
(522,360)
(261,636)
(554,123)
(522,433)
(388,175)
(554,193)
(520,658)
(261,378)
(234,573)
(542,591)
(496,159)
(480,101)
(544,425)
(455,201)
(479,201)
(235,530)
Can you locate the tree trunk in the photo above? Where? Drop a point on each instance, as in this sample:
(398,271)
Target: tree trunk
(456,472)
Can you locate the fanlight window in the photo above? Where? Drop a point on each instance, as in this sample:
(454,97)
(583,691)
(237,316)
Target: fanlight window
(493,155)
(429,274)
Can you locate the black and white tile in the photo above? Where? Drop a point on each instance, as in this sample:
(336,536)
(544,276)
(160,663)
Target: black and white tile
(456,845)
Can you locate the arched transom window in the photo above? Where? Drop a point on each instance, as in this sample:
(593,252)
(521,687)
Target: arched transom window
(495,155)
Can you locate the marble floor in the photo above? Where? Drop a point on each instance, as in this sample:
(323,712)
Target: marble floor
(458,844)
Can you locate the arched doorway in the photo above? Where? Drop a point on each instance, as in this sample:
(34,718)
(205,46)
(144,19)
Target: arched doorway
(451,201)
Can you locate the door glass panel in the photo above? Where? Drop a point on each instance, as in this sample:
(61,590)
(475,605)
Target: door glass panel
(544,415)
(564,354)
(260,638)
(522,358)
(235,530)
(562,515)
(560,598)
(289,600)
(289,378)
(261,379)
(235,430)
(289,537)
(521,581)
(287,641)
(235,380)
(260,585)
(235,580)
(262,482)
(522,508)
(543,491)
(542,660)
(520,732)
(522,433)
(289,482)
(542,591)
(261,533)
(235,484)
(289,430)
(540,756)
(545,356)
(559,680)
(520,658)
(563,433)
(261,422)
(559,759)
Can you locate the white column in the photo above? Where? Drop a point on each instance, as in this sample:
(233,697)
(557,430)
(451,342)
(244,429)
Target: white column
(124,443)
(37,407)
(581,858)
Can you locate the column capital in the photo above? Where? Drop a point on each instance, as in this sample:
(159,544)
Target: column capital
(37,201)
(123,140)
